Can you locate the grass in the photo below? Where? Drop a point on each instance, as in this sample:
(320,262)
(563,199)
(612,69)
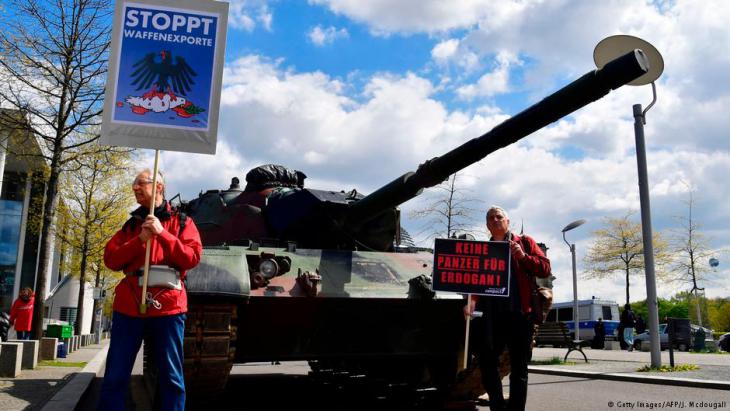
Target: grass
(551,361)
(49,363)
(667,368)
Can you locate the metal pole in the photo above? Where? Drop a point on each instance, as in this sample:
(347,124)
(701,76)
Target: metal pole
(576,324)
(97,319)
(651,299)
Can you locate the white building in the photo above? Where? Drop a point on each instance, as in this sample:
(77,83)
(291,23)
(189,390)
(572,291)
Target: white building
(61,303)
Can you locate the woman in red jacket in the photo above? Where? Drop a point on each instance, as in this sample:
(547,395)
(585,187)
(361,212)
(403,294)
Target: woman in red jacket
(175,247)
(21,314)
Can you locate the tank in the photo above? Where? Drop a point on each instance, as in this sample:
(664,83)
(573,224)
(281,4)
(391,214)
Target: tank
(290,272)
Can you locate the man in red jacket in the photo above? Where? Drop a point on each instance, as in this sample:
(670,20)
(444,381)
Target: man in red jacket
(21,314)
(175,248)
(508,321)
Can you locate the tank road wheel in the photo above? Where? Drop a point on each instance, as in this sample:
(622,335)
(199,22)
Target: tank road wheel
(209,347)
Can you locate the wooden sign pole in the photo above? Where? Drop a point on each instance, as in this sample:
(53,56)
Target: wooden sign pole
(466,337)
(143,303)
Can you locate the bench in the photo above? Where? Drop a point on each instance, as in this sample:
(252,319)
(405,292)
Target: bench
(557,335)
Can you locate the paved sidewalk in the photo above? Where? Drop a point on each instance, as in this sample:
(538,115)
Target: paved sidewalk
(59,388)
(713,372)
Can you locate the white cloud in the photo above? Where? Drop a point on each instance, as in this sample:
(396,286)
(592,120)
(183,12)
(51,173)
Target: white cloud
(189,174)
(451,53)
(266,18)
(244,14)
(444,50)
(323,36)
(494,82)
(407,16)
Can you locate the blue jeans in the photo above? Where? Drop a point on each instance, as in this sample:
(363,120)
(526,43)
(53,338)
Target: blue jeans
(164,336)
(23,335)
(629,336)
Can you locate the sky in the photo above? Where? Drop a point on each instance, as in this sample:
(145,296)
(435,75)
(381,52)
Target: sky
(356,93)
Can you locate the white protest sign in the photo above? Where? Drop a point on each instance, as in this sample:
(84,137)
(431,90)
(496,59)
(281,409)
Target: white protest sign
(165,75)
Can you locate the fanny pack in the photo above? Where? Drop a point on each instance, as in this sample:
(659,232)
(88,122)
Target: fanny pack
(161,276)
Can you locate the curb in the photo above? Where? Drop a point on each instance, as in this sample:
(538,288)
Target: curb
(684,382)
(68,397)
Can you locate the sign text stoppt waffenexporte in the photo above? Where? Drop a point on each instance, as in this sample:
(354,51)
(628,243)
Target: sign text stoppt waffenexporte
(193,30)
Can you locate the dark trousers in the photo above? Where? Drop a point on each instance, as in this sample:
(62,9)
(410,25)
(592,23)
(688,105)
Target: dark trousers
(513,330)
(164,335)
(599,342)
(620,337)
(23,335)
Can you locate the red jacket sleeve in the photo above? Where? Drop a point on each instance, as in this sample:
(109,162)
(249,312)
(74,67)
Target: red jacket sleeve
(535,263)
(123,247)
(184,250)
(14,311)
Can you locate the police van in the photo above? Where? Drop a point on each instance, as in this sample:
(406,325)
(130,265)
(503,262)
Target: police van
(589,311)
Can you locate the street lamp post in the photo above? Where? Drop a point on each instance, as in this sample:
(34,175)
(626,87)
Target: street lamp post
(617,46)
(567,228)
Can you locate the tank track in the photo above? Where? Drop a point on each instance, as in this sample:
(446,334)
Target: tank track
(210,347)
(421,384)
(379,388)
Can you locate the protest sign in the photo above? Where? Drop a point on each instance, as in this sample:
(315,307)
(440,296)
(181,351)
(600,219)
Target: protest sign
(472,267)
(165,75)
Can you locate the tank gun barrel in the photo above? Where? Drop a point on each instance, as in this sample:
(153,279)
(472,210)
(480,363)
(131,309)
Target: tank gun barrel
(587,89)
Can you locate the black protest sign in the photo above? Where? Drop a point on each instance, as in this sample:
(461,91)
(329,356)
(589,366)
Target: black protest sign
(472,267)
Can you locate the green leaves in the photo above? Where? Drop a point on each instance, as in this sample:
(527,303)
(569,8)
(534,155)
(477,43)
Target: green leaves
(618,249)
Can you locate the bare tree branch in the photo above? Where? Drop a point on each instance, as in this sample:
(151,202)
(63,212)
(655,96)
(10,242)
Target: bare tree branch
(448,211)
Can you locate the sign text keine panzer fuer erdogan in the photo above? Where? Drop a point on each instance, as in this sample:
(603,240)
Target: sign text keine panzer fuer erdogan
(472,267)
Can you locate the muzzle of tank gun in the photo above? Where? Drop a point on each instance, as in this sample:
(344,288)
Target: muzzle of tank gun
(587,89)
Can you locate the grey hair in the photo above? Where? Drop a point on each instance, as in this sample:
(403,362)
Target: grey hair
(160,178)
(497,208)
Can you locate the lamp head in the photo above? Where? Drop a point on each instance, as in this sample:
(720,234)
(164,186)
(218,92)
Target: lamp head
(573,225)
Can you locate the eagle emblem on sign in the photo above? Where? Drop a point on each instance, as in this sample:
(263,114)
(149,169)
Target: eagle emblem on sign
(167,80)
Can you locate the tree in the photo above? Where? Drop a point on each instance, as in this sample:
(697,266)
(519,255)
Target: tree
(53,69)
(692,253)
(719,314)
(448,210)
(96,201)
(675,307)
(619,248)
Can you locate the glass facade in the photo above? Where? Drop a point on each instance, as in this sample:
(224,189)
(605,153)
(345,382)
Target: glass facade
(11,215)
(69,314)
